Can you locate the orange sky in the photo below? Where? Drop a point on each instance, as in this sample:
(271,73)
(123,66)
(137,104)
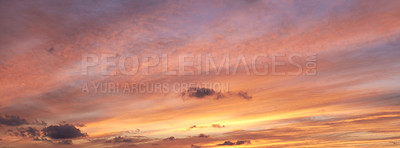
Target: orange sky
(352,100)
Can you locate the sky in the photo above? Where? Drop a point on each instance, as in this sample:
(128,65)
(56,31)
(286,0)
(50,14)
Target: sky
(194,74)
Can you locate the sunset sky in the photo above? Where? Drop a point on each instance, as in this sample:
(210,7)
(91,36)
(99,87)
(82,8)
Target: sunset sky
(332,73)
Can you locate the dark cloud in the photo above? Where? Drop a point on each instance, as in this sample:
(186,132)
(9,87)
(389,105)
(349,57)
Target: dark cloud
(11,120)
(211,126)
(51,49)
(198,92)
(169,138)
(239,142)
(242,142)
(194,126)
(227,143)
(62,131)
(28,132)
(203,136)
(244,95)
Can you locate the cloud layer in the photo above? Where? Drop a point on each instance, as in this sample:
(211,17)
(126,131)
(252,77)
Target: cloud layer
(351,100)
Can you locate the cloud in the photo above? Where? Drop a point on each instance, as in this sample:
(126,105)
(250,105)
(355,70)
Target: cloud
(37,122)
(27,132)
(169,138)
(244,95)
(67,142)
(11,120)
(211,126)
(198,92)
(239,142)
(137,131)
(227,143)
(217,126)
(133,139)
(80,125)
(203,136)
(119,139)
(194,126)
(63,131)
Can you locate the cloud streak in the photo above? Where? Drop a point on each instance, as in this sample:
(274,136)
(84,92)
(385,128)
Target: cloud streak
(11,120)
